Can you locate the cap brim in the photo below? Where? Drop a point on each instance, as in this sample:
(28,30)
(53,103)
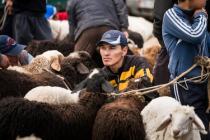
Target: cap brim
(16,50)
(107,42)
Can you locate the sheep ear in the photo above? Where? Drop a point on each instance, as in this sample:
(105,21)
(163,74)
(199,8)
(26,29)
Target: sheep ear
(166,121)
(82,68)
(197,121)
(55,65)
(107,87)
(80,86)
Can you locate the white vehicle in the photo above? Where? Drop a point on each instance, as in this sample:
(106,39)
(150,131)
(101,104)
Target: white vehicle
(142,8)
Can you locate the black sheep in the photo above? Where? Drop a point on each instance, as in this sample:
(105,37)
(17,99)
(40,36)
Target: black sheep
(20,117)
(38,47)
(137,38)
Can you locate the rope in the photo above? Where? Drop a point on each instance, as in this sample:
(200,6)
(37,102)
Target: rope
(197,79)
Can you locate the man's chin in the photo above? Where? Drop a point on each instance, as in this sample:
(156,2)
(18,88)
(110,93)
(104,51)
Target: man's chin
(107,64)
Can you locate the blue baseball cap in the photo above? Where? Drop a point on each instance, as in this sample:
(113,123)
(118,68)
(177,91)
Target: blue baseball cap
(9,46)
(113,37)
(50,11)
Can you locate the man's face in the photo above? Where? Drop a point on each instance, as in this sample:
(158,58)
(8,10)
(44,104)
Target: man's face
(197,4)
(112,55)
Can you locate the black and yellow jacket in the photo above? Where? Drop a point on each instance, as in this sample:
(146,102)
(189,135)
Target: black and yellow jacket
(133,67)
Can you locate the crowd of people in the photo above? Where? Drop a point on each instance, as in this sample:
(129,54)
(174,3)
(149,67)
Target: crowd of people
(101,29)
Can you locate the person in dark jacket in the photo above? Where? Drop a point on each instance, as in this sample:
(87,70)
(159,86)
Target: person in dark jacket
(185,36)
(29,21)
(160,71)
(119,67)
(89,19)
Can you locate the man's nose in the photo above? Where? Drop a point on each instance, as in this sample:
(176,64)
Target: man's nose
(106,52)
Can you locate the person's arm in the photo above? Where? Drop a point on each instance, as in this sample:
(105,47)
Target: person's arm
(9,6)
(122,13)
(180,28)
(72,22)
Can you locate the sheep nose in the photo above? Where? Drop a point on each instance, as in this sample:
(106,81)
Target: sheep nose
(176,132)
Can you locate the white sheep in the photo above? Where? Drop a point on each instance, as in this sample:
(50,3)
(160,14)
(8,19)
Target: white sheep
(165,118)
(32,137)
(47,60)
(52,95)
(140,25)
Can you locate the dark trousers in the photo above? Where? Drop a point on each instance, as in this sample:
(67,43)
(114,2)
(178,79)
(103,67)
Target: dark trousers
(8,25)
(195,95)
(87,42)
(27,28)
(161,72)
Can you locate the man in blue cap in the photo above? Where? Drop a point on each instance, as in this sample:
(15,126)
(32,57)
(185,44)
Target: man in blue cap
(120,67)
(12,53)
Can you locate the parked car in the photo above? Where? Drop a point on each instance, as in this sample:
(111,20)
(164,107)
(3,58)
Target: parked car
(143,8)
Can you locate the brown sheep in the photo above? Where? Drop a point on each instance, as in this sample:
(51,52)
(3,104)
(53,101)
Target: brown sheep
(120,120)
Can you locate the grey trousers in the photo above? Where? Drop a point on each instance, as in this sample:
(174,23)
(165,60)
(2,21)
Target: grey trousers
(27,28)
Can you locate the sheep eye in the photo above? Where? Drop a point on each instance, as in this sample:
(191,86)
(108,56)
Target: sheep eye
(190,118)
(170,115)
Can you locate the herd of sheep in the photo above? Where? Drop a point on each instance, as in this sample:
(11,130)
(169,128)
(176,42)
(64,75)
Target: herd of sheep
(61,95)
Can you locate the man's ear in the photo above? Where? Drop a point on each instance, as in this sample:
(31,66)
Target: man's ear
(125,50)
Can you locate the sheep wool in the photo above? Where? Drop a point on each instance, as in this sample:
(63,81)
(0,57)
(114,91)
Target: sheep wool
(165,118)
(52,95)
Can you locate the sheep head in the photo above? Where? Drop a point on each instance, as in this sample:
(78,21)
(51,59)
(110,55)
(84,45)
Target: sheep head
(182,120)
(55,58)
(84,57)
(95,82)
(76,69)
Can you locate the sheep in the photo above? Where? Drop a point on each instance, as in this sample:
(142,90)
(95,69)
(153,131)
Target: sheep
(57,95)
(140,25)
(97,75)
(32,137)
(120,120)
(38,47)
(47,60)
(165,118)
(150,51)
(76,67)
(74,70)
(136,37)
(21,117)
(52,95)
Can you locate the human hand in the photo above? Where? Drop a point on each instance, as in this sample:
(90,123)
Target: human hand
(9,6)
(4,61)
(200,10)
